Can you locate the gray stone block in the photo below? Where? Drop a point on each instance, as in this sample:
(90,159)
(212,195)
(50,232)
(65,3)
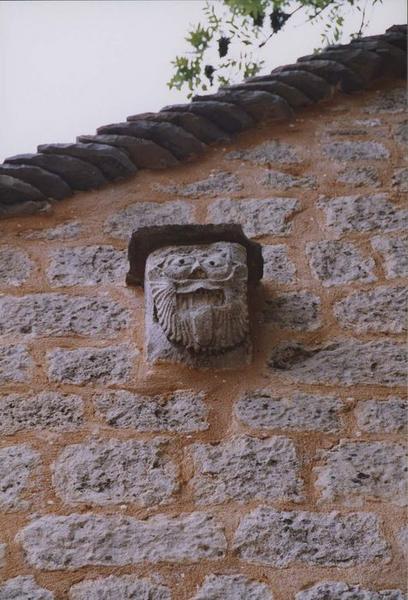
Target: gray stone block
(216,183)
(315,87)
(23,588)
(286,181)
(91,365)
(394,252)
(3,552)
(143,214)
(257,217)
(337,590)
(359,177)
(246,468)
(179,411)
(65,231)
(356,471)
(128,587)
(44,411)
(295,310)
(277,265)
(401,133)
(70,542)
(294,97)
(266,153)
(232,587)
(228,117)
(302,412)
(402,540)
(16,470)
(87,265)
(279,539)
(381,309)
(345,362)
(353,150)
(363,213)
(382,416)
(15,364)
(24,209)
(111,471)
(336,262)
(15,191)
(259,104)
(49,184)
(400,179)
(15,266)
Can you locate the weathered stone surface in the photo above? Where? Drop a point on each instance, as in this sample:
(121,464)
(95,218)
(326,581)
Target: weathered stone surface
(363,213)
(3,551)
(402,540)
(259,104)
(23,208)
(279,538)
(60,315)
(273,151)
(277,265)
(143,214)
(76,173)
(49,184)
(47,410)
(111,471)
(387,101)
(91,365)
(345,362)
(15,266)
(217,182)
(353,150)
(127,587)
(401,133)
(229,117)
(335,262)
(246,468)
(145,154)
(286,181)
(311,84)
(16,469)
(180,411)
(87,265)
(359,177)
(382,416)
(294,310)
(232,587)
(294,97)
(257,217)
(336,590)
(65,231)
(400,179)
(363,470)
(113,163)
(395,254)
(14,191)
(15,364)
(24,588)
(71,542)
(303,412)
(381,309)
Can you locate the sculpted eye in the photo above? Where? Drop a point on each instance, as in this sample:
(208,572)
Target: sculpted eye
(181,261)
(212,263)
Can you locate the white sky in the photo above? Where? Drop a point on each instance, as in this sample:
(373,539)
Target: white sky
(67,67)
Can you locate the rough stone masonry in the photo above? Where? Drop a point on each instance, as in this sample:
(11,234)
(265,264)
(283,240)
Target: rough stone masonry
(280,480)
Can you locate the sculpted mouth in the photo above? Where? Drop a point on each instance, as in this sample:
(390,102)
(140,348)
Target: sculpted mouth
(199,297)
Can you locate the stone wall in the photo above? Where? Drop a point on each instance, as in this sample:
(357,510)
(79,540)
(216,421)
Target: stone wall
(284,480)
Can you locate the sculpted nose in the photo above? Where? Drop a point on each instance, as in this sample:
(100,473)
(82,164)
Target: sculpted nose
(197,272)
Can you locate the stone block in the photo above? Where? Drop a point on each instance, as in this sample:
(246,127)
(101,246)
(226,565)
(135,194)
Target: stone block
(232,587)
(394,252)
(381,309)
(353,150)
(16,469)
(91,365)
(66,231)
(182,411)
(61,315)
(218,182)
(382,416)
(387,101)
(271,152)
(246,468)
(363,213)
(359,177)
(44,411)
(142,214)
(302,412)
(357,471)
(277,265)
(286,181)
(400,179)
(23,588)
(87,265)
(14,191)
(128,587)
(337,590)
(402,541)
(15,364)
(3,551)
(229,117)
(15,266)
(345,362)
(257,217)
(282,538)
(295,310)
(49,184)
(70,542)
(401,133)
(113,471)
(335,262)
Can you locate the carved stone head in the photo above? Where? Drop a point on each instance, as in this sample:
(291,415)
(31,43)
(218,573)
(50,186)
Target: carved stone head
(196,297)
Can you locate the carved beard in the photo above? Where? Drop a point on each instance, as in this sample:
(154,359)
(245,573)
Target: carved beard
(200,320)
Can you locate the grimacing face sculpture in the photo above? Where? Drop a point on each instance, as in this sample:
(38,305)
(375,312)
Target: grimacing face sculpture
(199,295)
